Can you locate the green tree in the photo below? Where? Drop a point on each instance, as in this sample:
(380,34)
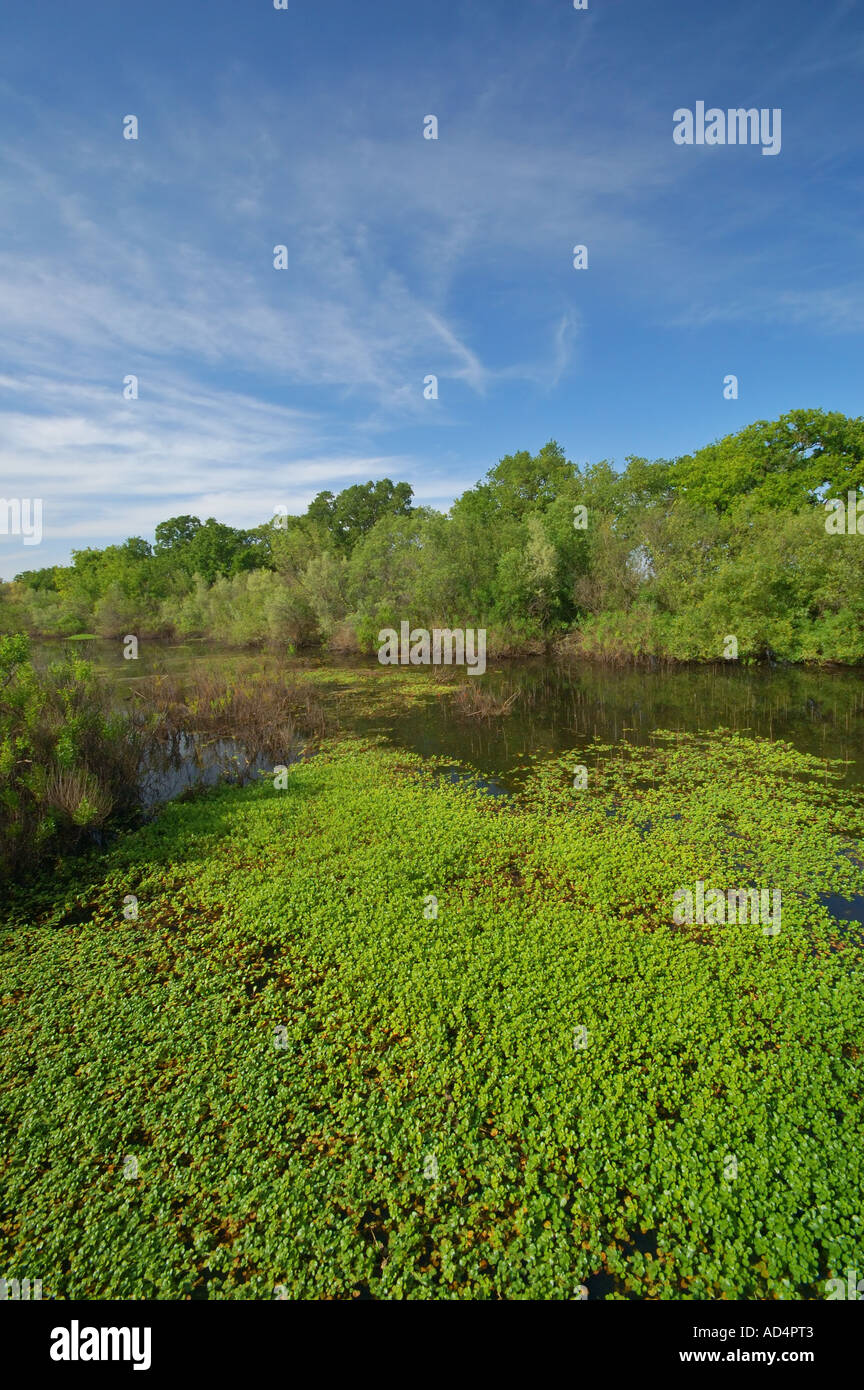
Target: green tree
(176,532)
(522,483)
(785,463)
(217,550)
(351,514)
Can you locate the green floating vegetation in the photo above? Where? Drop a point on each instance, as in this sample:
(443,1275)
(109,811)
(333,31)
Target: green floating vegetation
(375,1033)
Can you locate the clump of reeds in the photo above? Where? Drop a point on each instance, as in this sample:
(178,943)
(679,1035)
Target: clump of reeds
(268,714)
(472,702)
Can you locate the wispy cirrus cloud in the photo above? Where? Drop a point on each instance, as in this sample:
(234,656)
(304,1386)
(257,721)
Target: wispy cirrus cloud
(106,467)
(406,257)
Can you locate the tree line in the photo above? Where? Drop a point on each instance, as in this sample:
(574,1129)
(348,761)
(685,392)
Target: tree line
(664,559)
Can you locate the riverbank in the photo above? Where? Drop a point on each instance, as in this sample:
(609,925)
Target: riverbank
(372,1033)
(611,640)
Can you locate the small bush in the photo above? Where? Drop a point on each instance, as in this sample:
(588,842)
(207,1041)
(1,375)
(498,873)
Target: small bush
(66,760)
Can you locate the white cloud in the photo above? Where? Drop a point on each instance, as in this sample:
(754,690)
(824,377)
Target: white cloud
(106,468)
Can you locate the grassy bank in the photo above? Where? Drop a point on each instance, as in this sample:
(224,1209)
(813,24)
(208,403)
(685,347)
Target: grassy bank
(327,1090)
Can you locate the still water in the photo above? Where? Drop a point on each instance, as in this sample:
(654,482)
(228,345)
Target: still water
(560,706)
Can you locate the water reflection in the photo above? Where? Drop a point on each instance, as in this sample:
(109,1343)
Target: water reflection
(560,706)
(189,761)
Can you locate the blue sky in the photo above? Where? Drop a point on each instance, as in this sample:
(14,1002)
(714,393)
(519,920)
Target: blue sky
(407,256)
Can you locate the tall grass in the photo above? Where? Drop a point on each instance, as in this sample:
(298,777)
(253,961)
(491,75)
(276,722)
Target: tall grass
(67,760)
(270,714)
(473,702)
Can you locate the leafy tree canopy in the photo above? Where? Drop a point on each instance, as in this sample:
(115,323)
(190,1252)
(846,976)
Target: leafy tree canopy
(786,463)
(522,483)
(350,514)
(177,531)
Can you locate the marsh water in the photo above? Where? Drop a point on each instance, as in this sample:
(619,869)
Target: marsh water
(561,706)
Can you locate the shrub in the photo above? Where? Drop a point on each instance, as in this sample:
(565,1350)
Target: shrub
(66,760)
(45,613)
(473,702)
(244,610)
(117,613)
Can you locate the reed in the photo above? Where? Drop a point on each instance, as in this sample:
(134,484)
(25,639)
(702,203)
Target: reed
(267,713)
(473,702)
